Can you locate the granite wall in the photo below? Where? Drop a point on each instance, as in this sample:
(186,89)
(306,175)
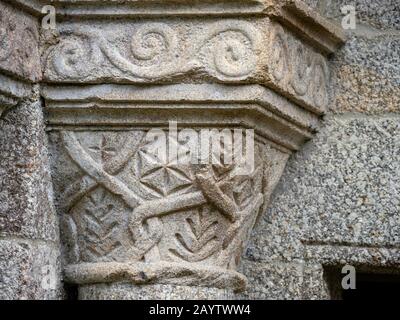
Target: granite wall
(338,201)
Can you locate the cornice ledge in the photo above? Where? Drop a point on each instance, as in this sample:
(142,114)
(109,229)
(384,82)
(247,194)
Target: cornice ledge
(308,24)
(271,115)
(12,91)
(304,20)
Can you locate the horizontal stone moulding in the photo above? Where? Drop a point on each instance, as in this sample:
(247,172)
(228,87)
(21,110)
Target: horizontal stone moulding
(271,115)
(12,91)
(157,273)
(232,50)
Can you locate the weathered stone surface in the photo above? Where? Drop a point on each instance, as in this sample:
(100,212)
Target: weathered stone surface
(135,225)
(337,204)
(116,184)
(129,214)
(182,273)
(366,259)
(19,50)
(29,270)
(341,188)
(383,14)
(191,51)
(357,201)
(273,281)
(366,75)
(25,187)
(125,291)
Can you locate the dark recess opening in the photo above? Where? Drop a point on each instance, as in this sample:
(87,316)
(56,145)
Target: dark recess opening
(378,286)
(71,291)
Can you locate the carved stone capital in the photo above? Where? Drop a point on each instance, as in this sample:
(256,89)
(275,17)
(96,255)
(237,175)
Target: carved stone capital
(131,215)
(19,55)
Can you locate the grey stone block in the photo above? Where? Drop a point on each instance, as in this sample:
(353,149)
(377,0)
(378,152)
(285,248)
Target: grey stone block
(366,75)
(343,186)
(29,270)
(19,43)
(272,281)
(26,208)
(382,14)
(126,291)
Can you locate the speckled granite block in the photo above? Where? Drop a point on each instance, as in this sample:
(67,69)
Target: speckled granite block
(26,208)
(25,270)
(380,14)
(126,291)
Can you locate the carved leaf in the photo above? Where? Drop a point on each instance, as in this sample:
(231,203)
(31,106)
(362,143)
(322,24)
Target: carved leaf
(102,228)
(201,239)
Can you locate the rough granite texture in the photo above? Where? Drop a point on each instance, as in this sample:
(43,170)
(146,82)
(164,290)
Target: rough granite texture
(28,225)
(19,37)
(25,189)
(26,267)
(126,291)
(379,14)
(366,72)
(337,201)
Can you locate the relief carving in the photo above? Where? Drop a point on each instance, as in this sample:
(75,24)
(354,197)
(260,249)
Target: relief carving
(76,56)
(131,205)
(297,69)
(225,50)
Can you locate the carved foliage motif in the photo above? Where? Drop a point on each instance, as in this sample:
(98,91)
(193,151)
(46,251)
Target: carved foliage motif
(200,237)
(298,69)
(129,204)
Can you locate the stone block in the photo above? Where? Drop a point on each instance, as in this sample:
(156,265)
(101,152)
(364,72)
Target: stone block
(366,75)
(383,14)
(19,43)
(26,208)
(29,270)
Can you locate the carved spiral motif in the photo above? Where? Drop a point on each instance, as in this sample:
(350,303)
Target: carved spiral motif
(233,49)
(74,57)
(151,42)
(279,52)
(302,69)
(230,56)
(297,67)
